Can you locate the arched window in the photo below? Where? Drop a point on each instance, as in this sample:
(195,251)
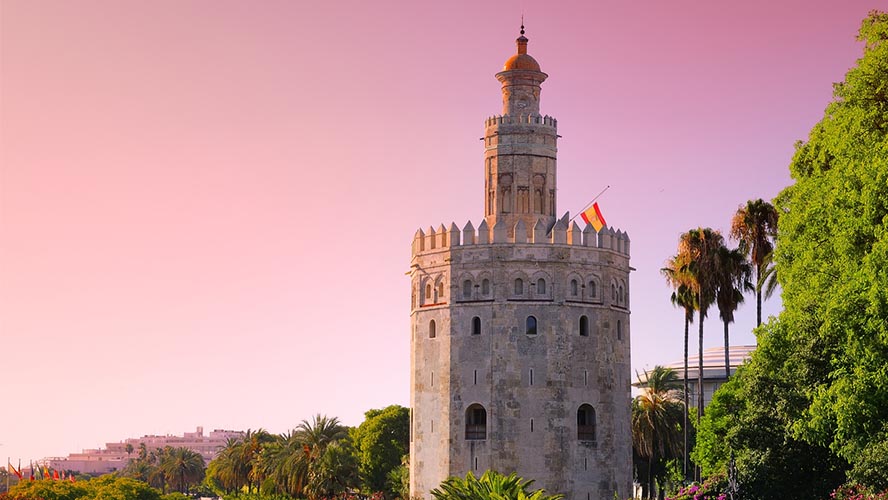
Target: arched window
(592,289)
(574,288)
(621,296)
(586,423)
(476,422)
(476,326)
(432,329)
(467,289)
(485,287)
(584,326)
(613,292)
(531,325)
(428,296)
(440,290)
(541,286)
(619,330)
(519,286)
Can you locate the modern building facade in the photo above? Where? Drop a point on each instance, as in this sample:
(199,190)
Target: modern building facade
(713,370)
(520,328)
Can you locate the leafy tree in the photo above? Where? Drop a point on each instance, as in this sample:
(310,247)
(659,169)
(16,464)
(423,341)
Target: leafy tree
(657,426)
(398,479)
(755,226)
(106,487)
(490,486)
(833,255)
(381,440)
(750,414)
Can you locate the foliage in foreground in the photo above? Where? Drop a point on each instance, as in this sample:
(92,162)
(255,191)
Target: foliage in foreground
(490,486)
(810,410)
(106,487)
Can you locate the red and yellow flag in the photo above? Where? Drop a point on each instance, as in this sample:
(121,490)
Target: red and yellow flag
(12,469)
(46,474)
(593,216)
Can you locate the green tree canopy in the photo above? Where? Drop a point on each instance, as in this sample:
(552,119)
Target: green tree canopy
(381,441)
(812,404)
(832,256)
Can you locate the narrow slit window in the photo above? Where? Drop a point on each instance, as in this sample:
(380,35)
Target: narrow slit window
(531,376)
(531,425)
(433,330)
(574,288)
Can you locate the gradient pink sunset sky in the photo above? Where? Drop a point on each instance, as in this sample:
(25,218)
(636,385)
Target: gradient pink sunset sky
(206,207)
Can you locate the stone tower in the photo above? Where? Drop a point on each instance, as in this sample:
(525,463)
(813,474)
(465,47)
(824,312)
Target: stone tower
(520,328)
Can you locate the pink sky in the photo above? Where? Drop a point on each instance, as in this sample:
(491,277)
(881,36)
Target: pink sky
(206,207)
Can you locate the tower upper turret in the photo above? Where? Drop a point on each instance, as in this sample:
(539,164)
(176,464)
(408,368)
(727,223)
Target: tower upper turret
(521,78)
(520,150)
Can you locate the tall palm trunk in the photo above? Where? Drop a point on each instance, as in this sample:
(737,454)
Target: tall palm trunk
(684,459)
(758,295)
(700,376)
(727,356)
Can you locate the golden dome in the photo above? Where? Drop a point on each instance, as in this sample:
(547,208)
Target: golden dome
(521,60)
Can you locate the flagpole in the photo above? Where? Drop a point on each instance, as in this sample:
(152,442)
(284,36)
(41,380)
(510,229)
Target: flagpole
(590,203)
(7,473)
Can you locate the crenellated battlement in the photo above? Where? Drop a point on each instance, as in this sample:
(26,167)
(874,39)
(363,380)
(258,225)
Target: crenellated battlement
(521,120)
(561,234)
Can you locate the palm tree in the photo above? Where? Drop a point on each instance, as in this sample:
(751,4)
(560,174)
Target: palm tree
(656,421)
(733,279)
(183,468)
(490,486)
(682,297)
(290,462)
(698,255)
(755,226)
(225,468)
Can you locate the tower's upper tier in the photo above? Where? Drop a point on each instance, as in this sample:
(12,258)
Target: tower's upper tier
(521,78)
(521,60)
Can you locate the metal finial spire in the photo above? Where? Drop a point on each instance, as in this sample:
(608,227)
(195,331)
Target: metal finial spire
(522,24)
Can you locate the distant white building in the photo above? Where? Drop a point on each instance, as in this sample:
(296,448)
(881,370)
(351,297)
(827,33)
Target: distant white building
(713,370)
(115,455)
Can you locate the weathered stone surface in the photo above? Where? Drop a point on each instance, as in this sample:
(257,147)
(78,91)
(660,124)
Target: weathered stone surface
(470,345)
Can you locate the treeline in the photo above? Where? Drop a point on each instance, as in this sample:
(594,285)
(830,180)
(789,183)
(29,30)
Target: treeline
(319,459)
(807,416)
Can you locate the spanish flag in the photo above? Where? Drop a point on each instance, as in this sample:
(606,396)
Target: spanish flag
(12,469)
(593,216)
